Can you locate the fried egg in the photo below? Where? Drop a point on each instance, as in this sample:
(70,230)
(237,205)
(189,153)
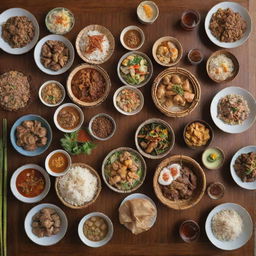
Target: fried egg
(165,178)
(174,170)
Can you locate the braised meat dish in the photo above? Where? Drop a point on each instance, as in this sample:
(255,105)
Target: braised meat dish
(31,135)
(18,31)
(54,55)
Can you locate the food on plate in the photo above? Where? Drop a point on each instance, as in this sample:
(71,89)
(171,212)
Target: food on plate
(227,225)
(88,85)
(177,182)
(227,25)
(189,230)
(197,134)
(102,126)
(59,21)
(147,11)
(134,69)
(18,31)
(195,56)
(68,118)
(245,167)
(14,91)
(31,135)
(78,186)
(123,170)
(154,138)
(221,67)
(175,90)
(132,38)
(46,222)
(167,52)
(137,215)
(52,93)
(58,162)
(77,142)
(54,55)
(95,228)
(216,190)
(213,158)
(128,100)
(233,109)
(30,183)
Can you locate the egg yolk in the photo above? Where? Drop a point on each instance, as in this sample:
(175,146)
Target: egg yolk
(165,176)
(173,171)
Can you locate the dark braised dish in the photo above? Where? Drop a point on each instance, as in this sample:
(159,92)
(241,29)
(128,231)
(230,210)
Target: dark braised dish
(54,55)
(18,31)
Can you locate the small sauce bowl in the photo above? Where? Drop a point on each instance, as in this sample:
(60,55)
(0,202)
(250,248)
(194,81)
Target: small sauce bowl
(190,19)
(189,231)
(216,190)
(195,56)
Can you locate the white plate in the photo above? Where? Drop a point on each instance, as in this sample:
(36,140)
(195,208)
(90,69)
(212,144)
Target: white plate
(22,198)
(140,195)
(236,8)
(239,128)
(244,236)
(37,54)
(18,12)
(236,178)
(45,241)
(98,243)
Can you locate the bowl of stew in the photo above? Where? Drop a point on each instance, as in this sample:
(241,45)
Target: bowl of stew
(68,117)
(30,183)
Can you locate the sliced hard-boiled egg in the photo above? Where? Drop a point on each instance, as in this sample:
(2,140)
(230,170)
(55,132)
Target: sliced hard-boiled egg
(174,170)
(165,178)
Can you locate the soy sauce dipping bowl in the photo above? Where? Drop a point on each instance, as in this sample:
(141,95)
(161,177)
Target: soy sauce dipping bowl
(194,229)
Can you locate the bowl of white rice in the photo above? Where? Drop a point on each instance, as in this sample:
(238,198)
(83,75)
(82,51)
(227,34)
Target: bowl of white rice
(79,187)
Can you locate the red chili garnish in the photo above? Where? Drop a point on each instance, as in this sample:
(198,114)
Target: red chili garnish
(95,42)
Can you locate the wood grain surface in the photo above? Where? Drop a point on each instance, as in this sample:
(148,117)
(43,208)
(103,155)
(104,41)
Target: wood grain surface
(163,238)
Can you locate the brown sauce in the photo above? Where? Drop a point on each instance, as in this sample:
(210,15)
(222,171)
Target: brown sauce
(58,162)
(195,56)
(189,231)
(190,19)
(132,38)
(68,118)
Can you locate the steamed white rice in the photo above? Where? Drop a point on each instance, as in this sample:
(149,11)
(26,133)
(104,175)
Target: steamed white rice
(78,186)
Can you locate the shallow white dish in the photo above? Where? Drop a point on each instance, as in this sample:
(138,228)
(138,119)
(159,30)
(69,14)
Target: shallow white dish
(136,111)
(22,198)
(45,241)
(243,237)
(239,128)
(40,92)
(140,195)
(37,54)
(102,242)
(236,8)
(4,16)
(236,178)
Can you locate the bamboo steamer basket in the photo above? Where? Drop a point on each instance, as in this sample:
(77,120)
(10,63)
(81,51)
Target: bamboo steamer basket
(194,83)
(85,205)
(197,194)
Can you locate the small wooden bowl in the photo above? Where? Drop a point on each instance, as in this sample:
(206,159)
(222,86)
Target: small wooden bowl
(175,42)
(83,103)
(207,126)
(94,172)
(198,193)
(194,82)
(149,121)
(229,55)
(102,30)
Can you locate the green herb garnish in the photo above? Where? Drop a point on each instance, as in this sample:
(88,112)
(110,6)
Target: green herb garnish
(178,89)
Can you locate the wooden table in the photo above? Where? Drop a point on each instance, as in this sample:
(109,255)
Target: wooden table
(163,238)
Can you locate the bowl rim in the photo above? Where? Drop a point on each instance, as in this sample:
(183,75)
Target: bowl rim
(152,3)
(102,242)
(60,86)
(222,153)
(107,116)
(149,121)
(176,43)
(143,165)
(136,111)
(85,205)
(69,104)
(145,56)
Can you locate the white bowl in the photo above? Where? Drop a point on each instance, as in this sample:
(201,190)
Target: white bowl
(239,128)
(37,54)
(68,105)
(40,92)
(18,12)
(100,243)
(45,241)
(22,198)
(154,6)
(236,8)
(136,111)
(236,178)
(243,237)
(48,169)
(132,28)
